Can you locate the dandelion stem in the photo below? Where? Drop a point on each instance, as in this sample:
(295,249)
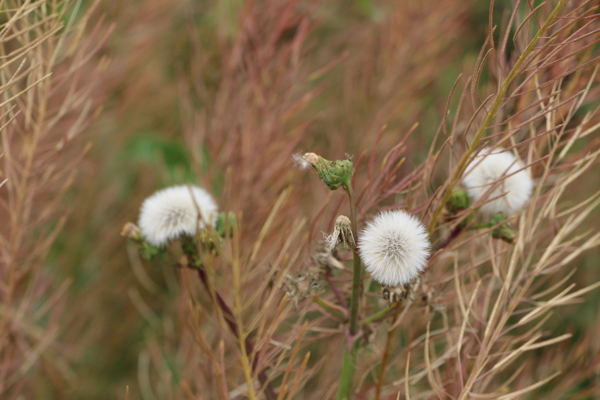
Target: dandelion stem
(351,351)
(380,314)
(356,272)
(323,304)
(347,376)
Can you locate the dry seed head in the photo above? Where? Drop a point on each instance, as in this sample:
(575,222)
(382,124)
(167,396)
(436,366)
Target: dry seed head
(342,233)
(394,248)
(399,293)
(502,171)
(323,258)
(302,286)
(176,211)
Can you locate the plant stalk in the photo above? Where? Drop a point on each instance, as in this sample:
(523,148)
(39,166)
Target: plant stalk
(347,375)
(351,351)
(380,314)
(323,304)
(356,271)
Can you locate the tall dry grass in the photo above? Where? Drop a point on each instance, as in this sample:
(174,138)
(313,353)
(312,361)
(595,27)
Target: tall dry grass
(222,95)
(483,306)
(48,74)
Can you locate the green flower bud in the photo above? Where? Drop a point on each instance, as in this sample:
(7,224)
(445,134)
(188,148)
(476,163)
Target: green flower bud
(189,247)
(147,251)
(333,173)
(457,202)
(504,231)
(225,224)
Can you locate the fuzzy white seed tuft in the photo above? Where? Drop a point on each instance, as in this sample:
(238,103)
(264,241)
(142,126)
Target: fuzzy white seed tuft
(173,212)
(394,248)
(301,162)
(500,173)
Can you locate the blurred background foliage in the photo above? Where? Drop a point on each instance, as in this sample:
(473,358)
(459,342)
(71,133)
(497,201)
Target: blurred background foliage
(373,62)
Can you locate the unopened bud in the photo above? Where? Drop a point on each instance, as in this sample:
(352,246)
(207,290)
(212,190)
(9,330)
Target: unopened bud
(457,202)
(225,224)
(504,231)
(333,173)
(147,251)
(131,231)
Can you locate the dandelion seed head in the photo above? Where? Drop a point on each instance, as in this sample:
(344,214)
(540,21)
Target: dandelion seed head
(498,169)
(173,212)
(394,248)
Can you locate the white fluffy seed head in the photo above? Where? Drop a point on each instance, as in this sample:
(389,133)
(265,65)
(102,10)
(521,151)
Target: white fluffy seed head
(498,169)
(394,248)
(173,212)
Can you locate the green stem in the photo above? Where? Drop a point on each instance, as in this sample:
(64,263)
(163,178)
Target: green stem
(356,272)
(379,314)
(347,376)
(351,351)
(328,308)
